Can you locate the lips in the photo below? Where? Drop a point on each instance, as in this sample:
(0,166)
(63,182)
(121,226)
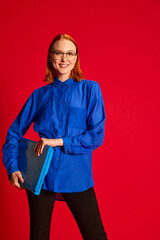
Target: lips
(63,65)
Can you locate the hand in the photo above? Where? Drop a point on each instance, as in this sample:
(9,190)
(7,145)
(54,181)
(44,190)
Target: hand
(15,177)
(45,141)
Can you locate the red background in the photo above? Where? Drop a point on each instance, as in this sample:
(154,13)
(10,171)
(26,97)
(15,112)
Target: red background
(119,44)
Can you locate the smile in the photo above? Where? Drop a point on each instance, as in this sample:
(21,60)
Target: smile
(63,65)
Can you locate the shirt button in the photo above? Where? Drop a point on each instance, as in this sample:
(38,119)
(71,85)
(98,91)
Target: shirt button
(61,113)
(57,158)
(58,147)
(59,135)
(67,150)
(61,102)
(61,124)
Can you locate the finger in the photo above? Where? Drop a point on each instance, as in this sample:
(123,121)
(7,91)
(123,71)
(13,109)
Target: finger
(38,149)
(14,179)
(37,145)
(15,182)
(17,185)
(20,177)
(42,148)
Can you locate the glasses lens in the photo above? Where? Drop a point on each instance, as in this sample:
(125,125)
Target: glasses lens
(57,55)
(70,55)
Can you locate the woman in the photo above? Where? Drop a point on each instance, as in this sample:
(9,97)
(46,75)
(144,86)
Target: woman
(68,114)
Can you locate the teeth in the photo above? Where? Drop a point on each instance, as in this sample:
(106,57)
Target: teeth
(63,65)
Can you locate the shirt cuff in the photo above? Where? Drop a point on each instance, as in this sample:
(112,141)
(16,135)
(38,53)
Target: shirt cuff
(12,170)
(67,145)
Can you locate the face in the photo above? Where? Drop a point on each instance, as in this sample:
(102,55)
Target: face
(62,65)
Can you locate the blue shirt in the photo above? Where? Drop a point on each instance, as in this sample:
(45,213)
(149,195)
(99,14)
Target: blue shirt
(73,111)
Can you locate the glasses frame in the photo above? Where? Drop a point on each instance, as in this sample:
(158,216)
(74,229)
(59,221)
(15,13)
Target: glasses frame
(75,54)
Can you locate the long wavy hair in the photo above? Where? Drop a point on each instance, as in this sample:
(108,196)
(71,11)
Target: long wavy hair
(76,73)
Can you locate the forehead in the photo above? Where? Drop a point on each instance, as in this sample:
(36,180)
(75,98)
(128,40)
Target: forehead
(64,45)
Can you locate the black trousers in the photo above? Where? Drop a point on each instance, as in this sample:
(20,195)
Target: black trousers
(83,206)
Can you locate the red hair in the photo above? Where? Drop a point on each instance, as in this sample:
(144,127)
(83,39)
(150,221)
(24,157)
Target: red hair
(76,73)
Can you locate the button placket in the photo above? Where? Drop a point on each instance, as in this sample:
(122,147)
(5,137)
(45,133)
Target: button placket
(61,106)
(57,161)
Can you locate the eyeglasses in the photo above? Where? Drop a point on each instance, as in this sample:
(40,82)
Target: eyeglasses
(57,55)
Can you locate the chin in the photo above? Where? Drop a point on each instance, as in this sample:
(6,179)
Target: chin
(64,72)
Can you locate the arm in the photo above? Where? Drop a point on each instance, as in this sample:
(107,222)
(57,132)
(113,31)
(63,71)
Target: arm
(93,137)
(45,141)
(16,132)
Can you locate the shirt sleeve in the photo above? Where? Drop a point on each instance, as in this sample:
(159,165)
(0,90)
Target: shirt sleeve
(93,137)
(16,131)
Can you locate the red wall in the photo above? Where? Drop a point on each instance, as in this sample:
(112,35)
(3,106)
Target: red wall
(119,43)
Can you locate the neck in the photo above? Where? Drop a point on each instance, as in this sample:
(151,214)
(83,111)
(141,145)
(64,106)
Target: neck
(63,78)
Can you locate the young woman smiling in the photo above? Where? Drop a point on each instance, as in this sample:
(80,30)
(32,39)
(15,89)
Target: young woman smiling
(68,114)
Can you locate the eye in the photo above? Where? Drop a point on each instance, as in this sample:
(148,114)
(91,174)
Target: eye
(70,54)
(57,53)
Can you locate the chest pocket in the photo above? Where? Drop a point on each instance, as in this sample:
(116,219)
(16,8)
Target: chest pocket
(46,117)
(77,117)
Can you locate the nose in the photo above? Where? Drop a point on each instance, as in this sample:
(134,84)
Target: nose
(64,57)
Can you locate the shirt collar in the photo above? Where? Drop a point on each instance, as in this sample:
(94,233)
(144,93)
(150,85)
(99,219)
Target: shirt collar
(67,83)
